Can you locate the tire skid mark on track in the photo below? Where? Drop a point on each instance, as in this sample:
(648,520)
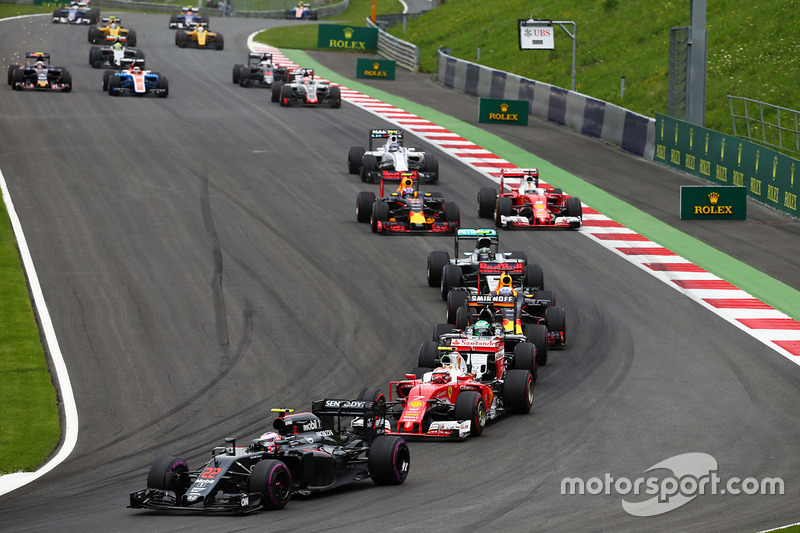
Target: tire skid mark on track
(773,328)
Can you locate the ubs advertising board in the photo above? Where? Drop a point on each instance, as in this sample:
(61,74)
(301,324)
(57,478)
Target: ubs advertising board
(341,37)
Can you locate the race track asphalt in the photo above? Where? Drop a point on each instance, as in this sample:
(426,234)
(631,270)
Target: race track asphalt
(202,264)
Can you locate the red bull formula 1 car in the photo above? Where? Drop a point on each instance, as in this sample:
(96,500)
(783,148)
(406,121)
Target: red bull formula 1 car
(529,204)
(454,400)
(307,453)
(407,210)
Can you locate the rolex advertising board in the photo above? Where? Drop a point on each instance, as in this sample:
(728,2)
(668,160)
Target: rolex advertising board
(382,69)
(498,111)
(342,37)
(713,202)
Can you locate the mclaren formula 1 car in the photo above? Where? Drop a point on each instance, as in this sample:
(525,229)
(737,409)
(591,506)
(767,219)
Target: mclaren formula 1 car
(338,442)
(529,204)
(189,17)
(301,11)
(199,37)
(76,13)
(387,154)
(115,56)
(112,28)
(450,402)
(136,81)
(305,90)
(480,265)
(260,71)
(407,210)
(38,74)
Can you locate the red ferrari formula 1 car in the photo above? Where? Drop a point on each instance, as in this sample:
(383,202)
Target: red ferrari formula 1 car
(449,402)
(406,210)
(530,204)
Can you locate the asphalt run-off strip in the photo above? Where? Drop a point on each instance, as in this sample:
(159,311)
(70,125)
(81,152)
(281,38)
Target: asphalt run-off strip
(749,313)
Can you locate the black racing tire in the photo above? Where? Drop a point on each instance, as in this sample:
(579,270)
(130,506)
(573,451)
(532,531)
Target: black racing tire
(441,329)
(182,39)
(286,96)
(371,395)
(518,255)
(56,14)
(534,276)
(114,85)
(106,76)
(220,42)
(11,69)
(462,317)
(504,207)
(525,358)
(518,391)
(574,208)
(131,38)
(163,84)
(92,52)
(244,76)
(452,213)
(236,74)
(168,474)
(178,38)
(364,202)
(336,97)
(66,80)
(273,481)
(370,165)
(428,356)
(456,299)
(432,166)
(389,460)
(139,54)
(487,198)
(380,213)
(471,406)
(436,263)
(91,31)
(556,320)
(451,279)
(173,19)
(545,294)
(277,87)
(17,77)
(537,334)
(354,159)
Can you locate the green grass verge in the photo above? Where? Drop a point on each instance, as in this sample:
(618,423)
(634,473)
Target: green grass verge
(304,37)
(29,420)
(15,10)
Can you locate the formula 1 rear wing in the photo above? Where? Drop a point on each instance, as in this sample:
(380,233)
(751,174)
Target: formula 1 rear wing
(371,415)
(381,136)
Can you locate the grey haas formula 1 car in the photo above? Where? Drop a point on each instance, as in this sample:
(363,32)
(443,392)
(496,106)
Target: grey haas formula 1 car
(305,90)
(338,442)
(387,154)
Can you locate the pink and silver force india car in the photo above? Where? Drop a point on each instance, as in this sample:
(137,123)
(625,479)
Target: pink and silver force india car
(407,210)
(450,402)
(529,204)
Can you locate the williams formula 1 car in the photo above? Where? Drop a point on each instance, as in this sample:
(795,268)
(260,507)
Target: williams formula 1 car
(450,402)
(113,28)
(38,74)
(387,154)
(189,17)
(199,37)
(76,13)
(529,204)
(260,71)
(481,266)
(136,81)
(304,90)
(406,210)
(307,453)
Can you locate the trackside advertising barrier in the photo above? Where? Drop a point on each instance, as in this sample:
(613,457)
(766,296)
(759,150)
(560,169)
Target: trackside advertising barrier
(502,111)
(341,37)
(722,159)
(716,202)
(383,69)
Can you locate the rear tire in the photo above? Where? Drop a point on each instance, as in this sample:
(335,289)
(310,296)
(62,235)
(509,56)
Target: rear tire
(336,97)
(452,213)
(456,299)
(237,70)
(388,460)
(525,358)
(462,317)
(534,276)
(451,279)
(354,159)
(537,334)
(471,406)
(370,165)
(273,480)
(518,391)
(277,87)
(436,263)
(428,355)
(556,319)
(441,329)
(432,166)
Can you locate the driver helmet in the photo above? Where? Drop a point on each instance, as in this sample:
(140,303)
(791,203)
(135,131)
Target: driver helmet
(136,68)
(505,291)
(264,63)
(394,147)
(267,441)
(440,376)
(408,192)
(117,46)
(482,327)
(484,249)
(112,24)
(40,63)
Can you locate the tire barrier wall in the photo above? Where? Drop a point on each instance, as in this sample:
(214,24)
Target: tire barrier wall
(633,132)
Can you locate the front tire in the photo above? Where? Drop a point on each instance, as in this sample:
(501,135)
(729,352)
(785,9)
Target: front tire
(354,157)
(364,202)
(169,473)
(451,279)
(273,480)
(389,460)
(471,406)
(380,213)
(487,198)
